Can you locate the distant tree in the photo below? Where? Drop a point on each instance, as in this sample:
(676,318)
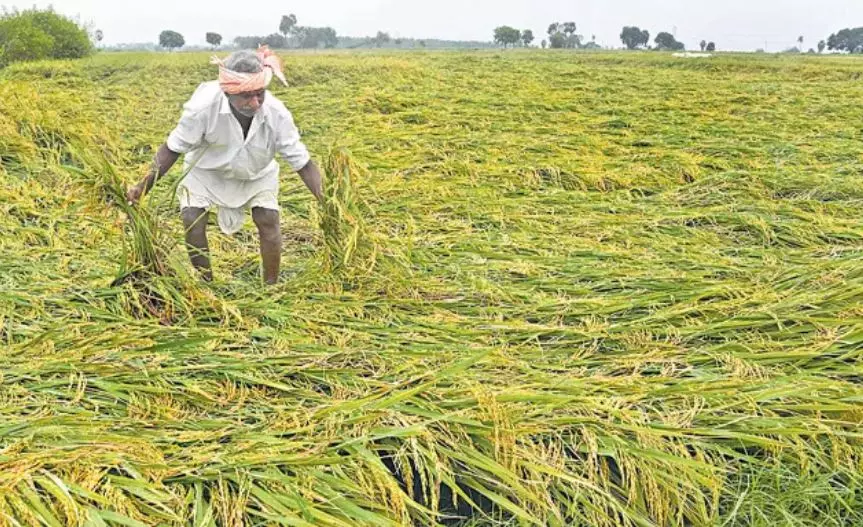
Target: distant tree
(422,43)
(544,43)
(397,42)
(849,40)
(527,37)
(98,35)
(382,38)
(711,47)
(315,37)
(703,45)
(287,25)
(304,37)
(562,35)
(666,42)
(171,39)
(821,46)
(214,39)
(329,37)
(275,41)
(633,37)
(557,41)
(800,42)
(506,35)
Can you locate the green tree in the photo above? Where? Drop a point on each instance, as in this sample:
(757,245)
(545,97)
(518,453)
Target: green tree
(562,35)
(275,41)
(214,39)
(711,47)
(287,25)
(665,41)
(328,37)
(35,34)
(171,39)
(70,40)
(382,38)
(633,37)
(703,45)
(315,37)
(821,46)
(557,40)
(507,35)
(98,36)
(848,40)
(544,43)
(20,40)
(527,37)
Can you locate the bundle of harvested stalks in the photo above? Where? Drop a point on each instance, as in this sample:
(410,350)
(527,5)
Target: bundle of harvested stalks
(145,268)
(352,248)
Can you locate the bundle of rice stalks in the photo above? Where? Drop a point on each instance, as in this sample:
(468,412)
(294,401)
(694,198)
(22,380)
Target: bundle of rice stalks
(352,249)
(146,270)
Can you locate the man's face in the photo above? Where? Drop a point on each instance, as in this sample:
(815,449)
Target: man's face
(247,104)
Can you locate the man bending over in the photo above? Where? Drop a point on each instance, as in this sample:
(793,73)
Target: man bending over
(230,133)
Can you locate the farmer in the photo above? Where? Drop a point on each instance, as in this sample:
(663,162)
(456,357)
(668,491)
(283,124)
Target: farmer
(230,133)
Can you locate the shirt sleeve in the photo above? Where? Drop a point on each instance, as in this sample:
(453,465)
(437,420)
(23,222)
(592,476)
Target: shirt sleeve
(289,144)
(189,133)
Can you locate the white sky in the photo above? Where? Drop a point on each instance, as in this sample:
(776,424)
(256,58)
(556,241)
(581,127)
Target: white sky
(733,24)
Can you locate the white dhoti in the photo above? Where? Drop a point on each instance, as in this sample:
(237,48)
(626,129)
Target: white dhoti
(232,197)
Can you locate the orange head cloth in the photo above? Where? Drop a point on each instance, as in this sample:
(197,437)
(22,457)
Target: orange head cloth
(234,82)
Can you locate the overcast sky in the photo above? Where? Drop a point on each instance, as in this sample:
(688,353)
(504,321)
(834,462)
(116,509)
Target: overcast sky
(733,24)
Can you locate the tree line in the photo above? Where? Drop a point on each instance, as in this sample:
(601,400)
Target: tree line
(293,35)
(562,35)
(290,35)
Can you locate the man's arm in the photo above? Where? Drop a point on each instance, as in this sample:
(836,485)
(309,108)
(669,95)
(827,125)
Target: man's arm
(311,176)
(162,163)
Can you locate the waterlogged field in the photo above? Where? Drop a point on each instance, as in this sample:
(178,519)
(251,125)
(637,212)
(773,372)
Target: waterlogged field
(546,289)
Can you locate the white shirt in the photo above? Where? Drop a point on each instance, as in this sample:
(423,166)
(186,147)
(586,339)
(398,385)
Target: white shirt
(223,166)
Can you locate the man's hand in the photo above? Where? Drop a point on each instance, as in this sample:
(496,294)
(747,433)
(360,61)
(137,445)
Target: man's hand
(162,163)
(133,195)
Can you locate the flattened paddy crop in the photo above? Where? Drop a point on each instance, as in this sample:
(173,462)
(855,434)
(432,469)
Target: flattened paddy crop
(545,289)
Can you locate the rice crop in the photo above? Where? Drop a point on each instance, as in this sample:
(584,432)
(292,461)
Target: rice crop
(566,289)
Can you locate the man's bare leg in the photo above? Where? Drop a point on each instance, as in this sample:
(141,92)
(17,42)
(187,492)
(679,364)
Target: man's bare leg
(270,232)
(195,222)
